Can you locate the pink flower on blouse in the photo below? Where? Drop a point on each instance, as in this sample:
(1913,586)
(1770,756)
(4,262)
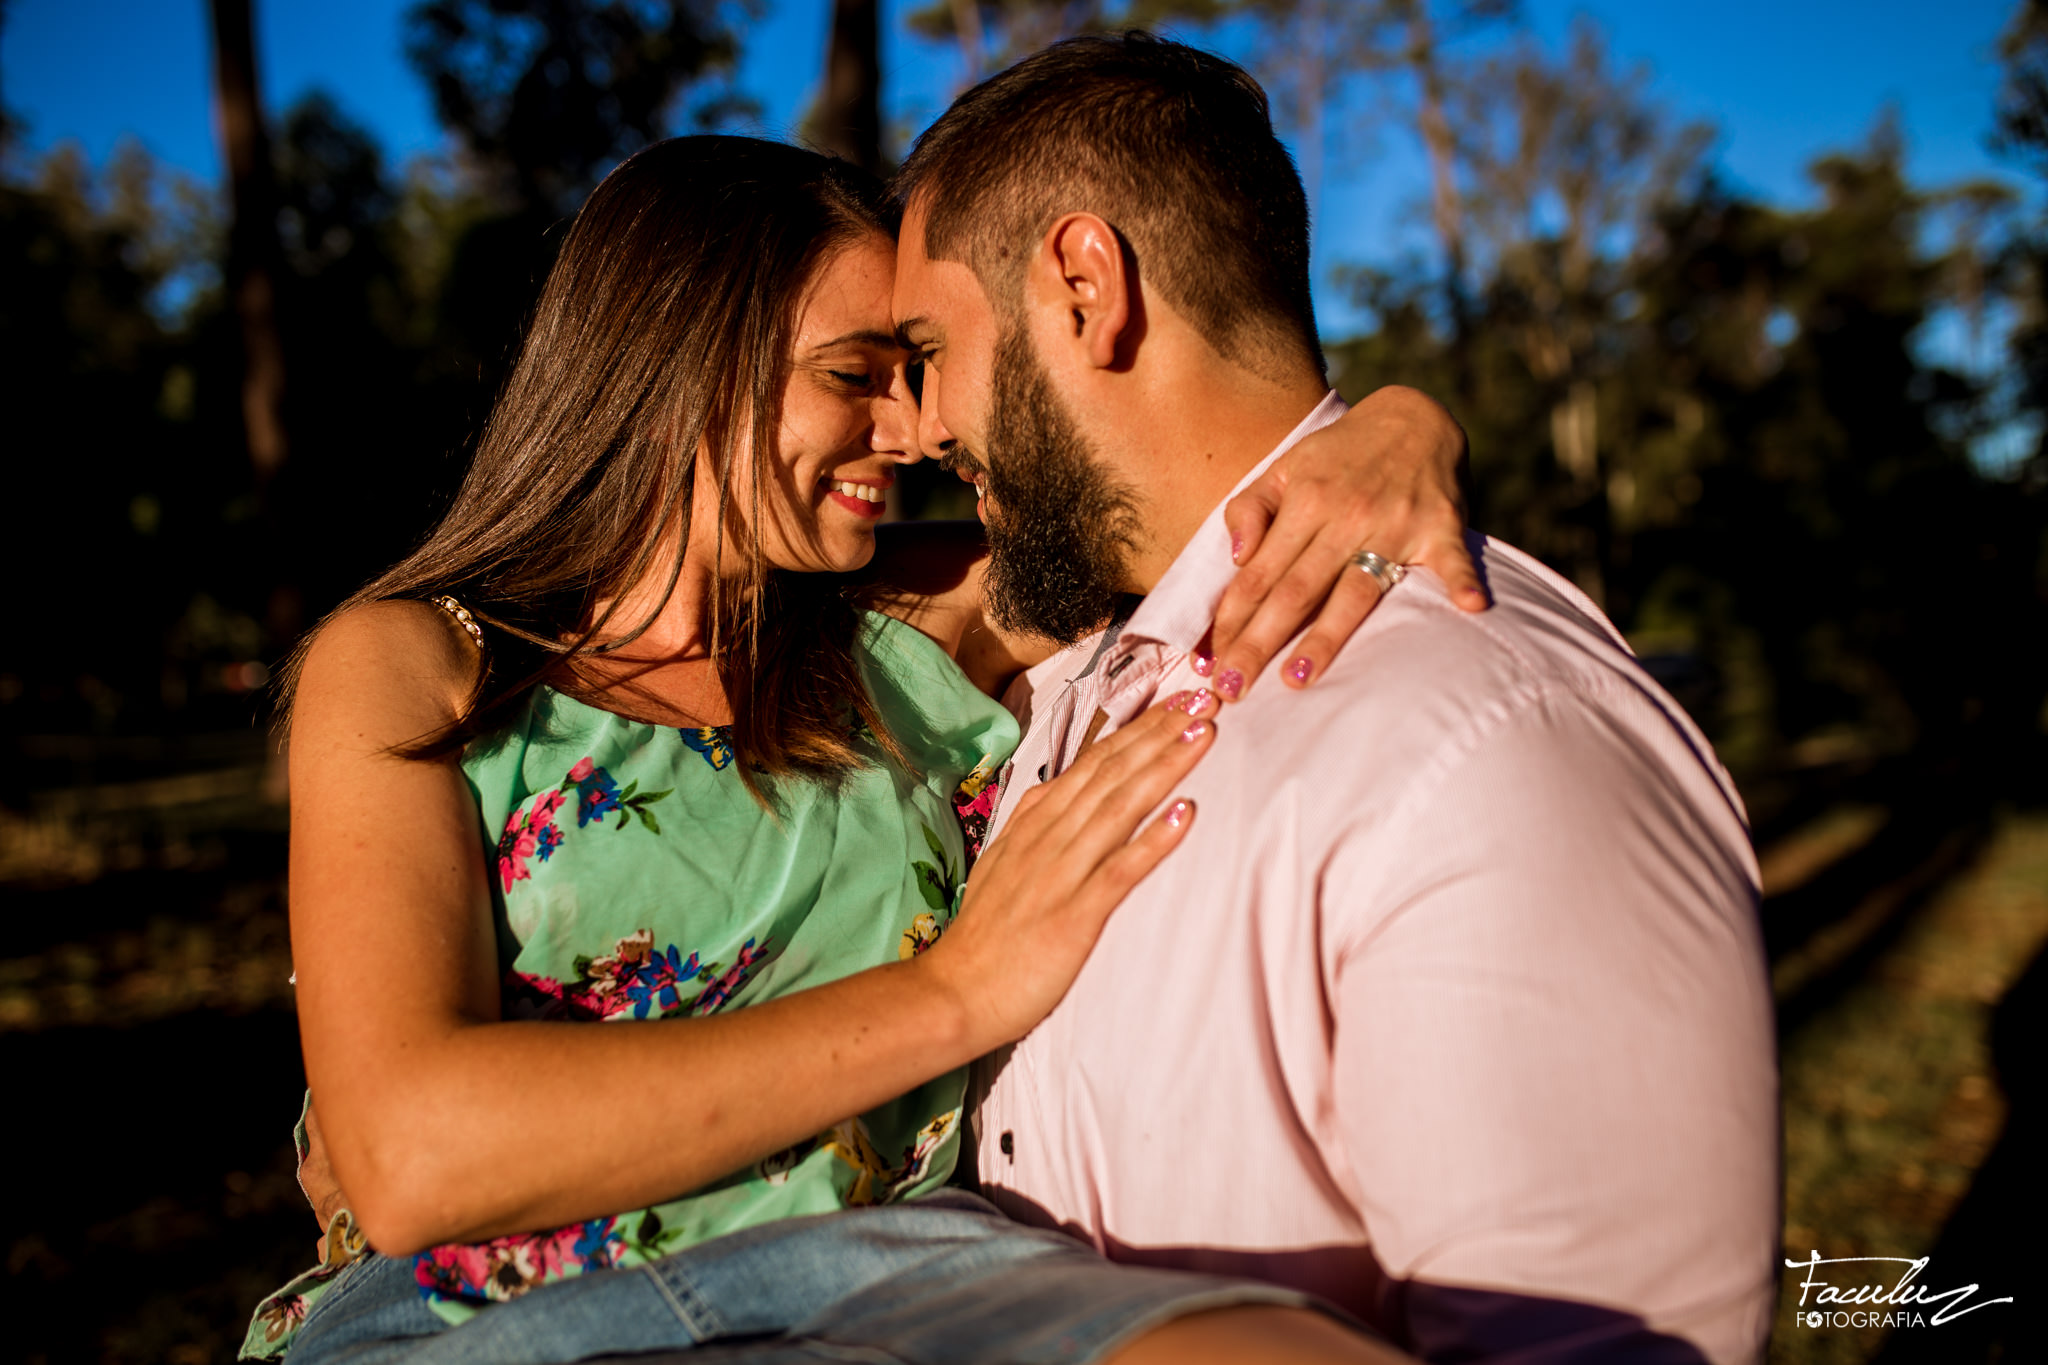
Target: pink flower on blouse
(506,1267)
(515,846)
(529,832)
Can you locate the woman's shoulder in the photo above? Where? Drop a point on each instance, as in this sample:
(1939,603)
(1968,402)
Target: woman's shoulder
(388,671)
(945,722)
(930,576)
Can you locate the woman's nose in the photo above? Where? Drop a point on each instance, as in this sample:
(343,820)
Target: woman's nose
(895,432)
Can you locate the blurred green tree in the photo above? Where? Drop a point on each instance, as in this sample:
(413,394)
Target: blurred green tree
(2021,132)
(1769,475)
(547,95)
(993,33)
(132,482)
(542,98)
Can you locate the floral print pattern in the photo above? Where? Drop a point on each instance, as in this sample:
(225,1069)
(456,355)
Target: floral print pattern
(280,1316)
(714,742)
(712,903)
(923,932)
(636,978)
(879,1180)
(530,833)
(598,795)
(938,883)
(974,801)
(505,1267)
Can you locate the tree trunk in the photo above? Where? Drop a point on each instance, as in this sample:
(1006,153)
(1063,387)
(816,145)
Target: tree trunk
(255,259)
(967,25)
(1446,208)
(848,119)
(1313,81)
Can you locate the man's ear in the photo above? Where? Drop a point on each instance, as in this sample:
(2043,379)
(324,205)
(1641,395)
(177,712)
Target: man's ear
(1081,268)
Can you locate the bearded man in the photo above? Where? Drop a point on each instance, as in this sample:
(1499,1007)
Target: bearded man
(1453,1009)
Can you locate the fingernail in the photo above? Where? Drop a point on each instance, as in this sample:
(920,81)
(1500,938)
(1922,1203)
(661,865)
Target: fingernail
(1301,668)
(1236,547)
(1195,730)
(1201,703)
(1179,813)
(1229,683)
(1203,662)
(1179,702)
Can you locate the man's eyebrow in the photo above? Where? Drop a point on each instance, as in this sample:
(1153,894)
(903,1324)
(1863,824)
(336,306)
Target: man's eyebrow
(865,337)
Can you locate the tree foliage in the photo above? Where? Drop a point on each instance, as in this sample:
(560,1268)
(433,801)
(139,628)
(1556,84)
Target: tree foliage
(547,95)
(1718,415)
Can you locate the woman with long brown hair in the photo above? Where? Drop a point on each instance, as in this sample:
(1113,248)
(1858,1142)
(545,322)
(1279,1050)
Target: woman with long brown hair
(620,742)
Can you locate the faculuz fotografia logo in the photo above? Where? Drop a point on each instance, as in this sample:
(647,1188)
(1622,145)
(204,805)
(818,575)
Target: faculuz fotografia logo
(1879,1291)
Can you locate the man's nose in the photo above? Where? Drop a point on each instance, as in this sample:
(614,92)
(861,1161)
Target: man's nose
(931,429)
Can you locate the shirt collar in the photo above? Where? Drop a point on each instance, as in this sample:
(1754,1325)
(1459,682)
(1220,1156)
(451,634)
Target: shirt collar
(1182,604)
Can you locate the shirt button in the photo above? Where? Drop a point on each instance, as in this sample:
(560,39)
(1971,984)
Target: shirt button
(1009,1145)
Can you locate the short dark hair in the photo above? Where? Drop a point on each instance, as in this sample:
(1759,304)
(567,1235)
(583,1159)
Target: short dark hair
(1170,145)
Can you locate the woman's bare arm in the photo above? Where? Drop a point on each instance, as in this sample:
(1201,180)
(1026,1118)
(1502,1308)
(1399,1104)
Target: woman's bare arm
(444,1123)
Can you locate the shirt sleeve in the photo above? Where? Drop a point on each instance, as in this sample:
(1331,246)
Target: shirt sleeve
(1554,1065)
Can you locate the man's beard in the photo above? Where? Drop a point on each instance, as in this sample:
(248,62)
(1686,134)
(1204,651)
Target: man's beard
(1060,526)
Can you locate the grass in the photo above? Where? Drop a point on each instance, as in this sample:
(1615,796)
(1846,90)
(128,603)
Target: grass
(1891,1100)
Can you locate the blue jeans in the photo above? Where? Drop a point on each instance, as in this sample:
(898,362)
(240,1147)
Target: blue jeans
(944,1280)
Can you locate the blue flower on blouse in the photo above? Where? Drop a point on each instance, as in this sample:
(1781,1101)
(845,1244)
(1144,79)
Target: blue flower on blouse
(597,796)
(654,981)
(594,1242)
(712,741)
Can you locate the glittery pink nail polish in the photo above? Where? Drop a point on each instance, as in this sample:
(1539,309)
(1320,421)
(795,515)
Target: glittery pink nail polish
(1179,701)
(1236,548)
(1201,703)
(1203,662)
(1179,813)
(1196,729)
(1229,683)
(1301,668)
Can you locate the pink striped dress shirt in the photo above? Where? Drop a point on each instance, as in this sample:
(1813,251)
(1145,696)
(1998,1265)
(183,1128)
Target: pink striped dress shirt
(1453,1007)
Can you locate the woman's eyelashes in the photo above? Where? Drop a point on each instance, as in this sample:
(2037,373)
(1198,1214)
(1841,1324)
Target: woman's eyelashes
(878,378)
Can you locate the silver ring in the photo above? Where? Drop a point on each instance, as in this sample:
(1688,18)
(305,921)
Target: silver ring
(1384,571)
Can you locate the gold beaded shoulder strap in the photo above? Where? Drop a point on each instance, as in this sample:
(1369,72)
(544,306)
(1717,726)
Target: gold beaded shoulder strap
(462,618)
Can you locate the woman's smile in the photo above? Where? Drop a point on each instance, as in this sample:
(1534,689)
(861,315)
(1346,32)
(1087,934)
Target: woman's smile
(865,498)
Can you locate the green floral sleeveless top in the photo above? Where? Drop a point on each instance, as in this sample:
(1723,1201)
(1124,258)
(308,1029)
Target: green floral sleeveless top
(635,879)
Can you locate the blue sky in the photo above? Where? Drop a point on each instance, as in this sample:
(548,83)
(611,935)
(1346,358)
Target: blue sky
(1784,81)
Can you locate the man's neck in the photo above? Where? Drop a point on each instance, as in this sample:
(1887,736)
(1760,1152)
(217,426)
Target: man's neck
(1200,431)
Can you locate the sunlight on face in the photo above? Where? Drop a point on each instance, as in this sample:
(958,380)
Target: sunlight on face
(946,318)
(849,419)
